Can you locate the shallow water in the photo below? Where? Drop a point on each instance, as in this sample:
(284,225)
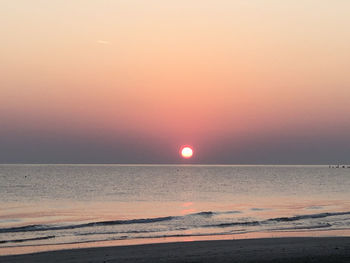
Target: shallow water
(44,205)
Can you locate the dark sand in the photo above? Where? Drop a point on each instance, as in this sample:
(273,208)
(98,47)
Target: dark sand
(325,249)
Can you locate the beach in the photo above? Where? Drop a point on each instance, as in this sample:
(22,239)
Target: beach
(325,249)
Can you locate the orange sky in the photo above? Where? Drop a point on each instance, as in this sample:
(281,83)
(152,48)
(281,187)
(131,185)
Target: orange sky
(207,73)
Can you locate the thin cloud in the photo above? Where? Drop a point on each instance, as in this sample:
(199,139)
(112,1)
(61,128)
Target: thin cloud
(104,42)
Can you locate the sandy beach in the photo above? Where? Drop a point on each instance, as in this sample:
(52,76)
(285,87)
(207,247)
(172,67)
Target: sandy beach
(323,249)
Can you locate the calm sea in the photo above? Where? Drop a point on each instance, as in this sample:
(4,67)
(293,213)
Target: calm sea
(54,206)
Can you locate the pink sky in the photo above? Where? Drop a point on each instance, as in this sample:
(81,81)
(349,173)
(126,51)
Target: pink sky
(153,75)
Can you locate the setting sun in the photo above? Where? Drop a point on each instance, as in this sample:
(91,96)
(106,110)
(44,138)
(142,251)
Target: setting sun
(186,152)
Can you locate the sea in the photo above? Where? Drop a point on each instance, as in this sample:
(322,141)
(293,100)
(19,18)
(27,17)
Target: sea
(47,207)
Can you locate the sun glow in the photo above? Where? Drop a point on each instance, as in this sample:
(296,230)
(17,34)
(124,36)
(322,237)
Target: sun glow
(186,152)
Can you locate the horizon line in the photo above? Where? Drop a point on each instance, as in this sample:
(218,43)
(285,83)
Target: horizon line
(171,164)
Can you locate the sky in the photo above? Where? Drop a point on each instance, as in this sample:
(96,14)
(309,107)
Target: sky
(130,81)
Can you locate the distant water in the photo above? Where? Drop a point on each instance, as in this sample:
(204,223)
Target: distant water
(44,205)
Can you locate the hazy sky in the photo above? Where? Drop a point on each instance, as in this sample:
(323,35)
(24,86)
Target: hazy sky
(126,81)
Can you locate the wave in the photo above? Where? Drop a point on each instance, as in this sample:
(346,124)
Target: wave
(26,239)
(211,213)
(32,228)
(279,219)
(127,237)
(326,225)
(312,216)
(118,232)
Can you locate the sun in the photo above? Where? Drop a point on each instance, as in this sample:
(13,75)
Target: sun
(186,151)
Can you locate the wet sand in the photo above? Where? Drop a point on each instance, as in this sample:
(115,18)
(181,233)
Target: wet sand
(323,249)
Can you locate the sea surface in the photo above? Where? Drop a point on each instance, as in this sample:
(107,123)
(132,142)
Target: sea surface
(46,207)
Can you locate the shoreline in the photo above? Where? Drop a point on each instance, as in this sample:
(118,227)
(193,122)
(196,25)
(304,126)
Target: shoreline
(32,249)
(288,249)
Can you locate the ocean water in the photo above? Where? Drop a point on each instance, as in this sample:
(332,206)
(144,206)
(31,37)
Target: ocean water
(42,206)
